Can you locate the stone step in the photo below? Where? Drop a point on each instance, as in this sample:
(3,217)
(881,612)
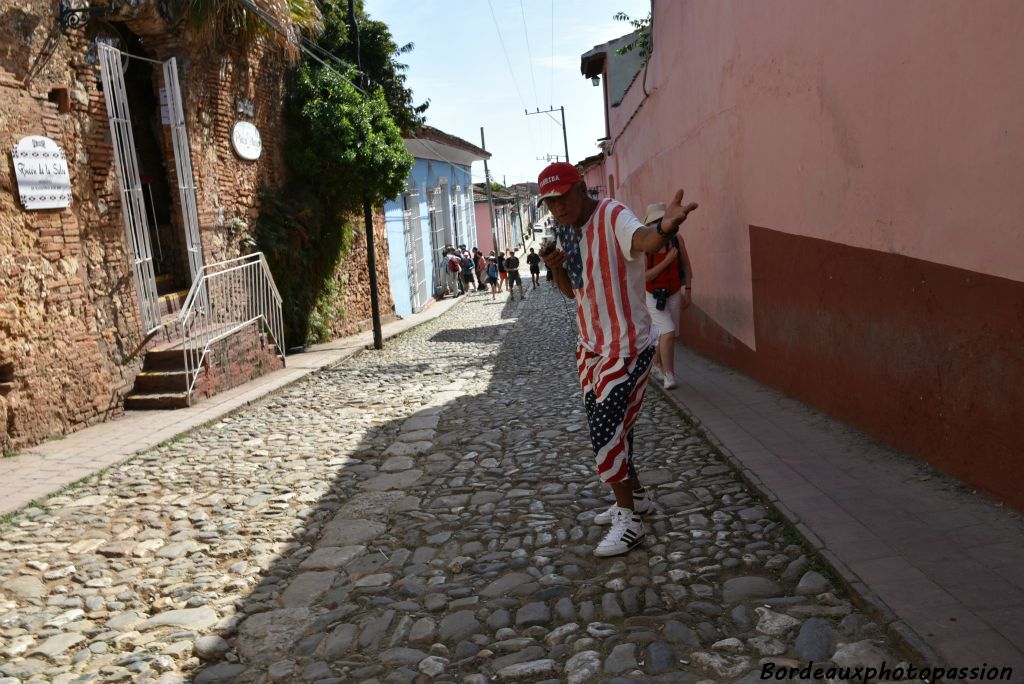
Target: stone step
(150,382)
(164,360)
(166,284)
(172,302)
(156,402)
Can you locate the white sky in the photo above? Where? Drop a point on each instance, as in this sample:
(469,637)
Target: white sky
(459,64)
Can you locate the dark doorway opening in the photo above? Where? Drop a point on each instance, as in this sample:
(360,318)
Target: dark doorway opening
(143,83)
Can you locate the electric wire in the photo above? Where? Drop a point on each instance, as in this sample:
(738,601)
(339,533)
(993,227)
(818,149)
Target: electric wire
(529,52)
(519,93)
(551,131)
(302,44)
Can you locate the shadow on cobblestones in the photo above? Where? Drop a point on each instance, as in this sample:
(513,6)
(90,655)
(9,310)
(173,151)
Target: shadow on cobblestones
(420,514)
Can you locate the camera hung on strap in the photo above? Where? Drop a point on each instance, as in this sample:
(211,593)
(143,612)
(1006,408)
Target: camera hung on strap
(660,297)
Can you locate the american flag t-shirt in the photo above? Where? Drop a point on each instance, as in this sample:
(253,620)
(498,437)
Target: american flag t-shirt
(608,280)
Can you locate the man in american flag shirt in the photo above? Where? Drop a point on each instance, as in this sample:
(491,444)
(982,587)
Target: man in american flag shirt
(598,263)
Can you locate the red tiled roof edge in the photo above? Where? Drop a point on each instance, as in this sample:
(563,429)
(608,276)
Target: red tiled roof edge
(437,135)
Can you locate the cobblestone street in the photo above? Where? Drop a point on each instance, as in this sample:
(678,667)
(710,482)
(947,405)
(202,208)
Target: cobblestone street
(421,514)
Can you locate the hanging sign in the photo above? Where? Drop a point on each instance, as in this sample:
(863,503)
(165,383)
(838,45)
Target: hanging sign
(42,173)
(245,138)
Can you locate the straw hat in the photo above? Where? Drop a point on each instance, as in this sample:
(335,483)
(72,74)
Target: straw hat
(654,212)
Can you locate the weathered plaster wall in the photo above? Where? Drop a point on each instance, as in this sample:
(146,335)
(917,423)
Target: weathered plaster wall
(871,144)
(894,127)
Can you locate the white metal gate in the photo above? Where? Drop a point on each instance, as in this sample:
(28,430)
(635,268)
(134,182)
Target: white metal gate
(414,250)
(438,241)
(133,208)
(183,167)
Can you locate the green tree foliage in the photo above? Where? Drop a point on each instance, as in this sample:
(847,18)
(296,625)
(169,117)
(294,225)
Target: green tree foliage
(378,56)
(644,42)
(342,147)
(345,136)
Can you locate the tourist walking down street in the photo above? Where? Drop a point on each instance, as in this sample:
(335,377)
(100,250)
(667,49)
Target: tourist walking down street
(492,276)
(468,266)
(533,259)
(512,269)
(668,293)
(597,263)
(481,269)
(502,275)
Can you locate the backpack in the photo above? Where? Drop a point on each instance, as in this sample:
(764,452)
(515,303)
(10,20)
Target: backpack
(453,265)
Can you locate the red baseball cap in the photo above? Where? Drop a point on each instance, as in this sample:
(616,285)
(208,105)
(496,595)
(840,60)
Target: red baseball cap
(556,179)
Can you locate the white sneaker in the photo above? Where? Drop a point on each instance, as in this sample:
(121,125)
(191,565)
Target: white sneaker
(643,503)
(670,381)
(626,533)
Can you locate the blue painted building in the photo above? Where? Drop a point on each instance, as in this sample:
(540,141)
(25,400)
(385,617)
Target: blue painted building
(435,210)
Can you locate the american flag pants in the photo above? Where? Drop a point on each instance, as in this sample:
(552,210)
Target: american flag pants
(613,392)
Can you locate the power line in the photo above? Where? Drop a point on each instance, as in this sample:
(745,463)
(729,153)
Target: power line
(551,103)
(529,53)
(511,72)
(302,43)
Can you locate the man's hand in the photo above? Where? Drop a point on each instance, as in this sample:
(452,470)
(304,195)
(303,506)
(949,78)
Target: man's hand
(554,259)
(648,240)
(676,212)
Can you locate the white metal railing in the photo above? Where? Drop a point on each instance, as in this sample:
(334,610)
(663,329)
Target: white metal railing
(225,298)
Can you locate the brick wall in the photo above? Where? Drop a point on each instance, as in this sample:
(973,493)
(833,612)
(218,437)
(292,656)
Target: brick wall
(236,360)
(70,338)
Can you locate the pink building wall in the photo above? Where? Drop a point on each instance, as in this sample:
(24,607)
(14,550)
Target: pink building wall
(594,176)
(871,144)
(484,235)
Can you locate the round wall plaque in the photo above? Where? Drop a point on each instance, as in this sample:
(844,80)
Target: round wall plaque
(245,138)
(41,170)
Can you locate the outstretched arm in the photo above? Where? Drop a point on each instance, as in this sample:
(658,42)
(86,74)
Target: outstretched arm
(649,240)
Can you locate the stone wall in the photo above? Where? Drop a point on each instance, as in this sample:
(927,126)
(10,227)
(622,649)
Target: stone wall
(70,332)
(354,280)
(68,319)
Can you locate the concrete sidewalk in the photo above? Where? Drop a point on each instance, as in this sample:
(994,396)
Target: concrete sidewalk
(42,470)
(940,566)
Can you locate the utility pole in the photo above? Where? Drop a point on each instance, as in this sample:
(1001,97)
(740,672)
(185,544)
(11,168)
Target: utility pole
(371,254)
(565,135)
(490,198)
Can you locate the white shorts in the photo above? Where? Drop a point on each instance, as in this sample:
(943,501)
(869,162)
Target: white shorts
(667,319)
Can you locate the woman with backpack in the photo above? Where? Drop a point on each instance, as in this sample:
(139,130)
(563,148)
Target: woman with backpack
(453,267)
(668,293)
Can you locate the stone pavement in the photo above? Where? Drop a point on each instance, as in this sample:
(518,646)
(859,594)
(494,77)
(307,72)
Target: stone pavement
(421,514)
(45,469)
(940,566)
